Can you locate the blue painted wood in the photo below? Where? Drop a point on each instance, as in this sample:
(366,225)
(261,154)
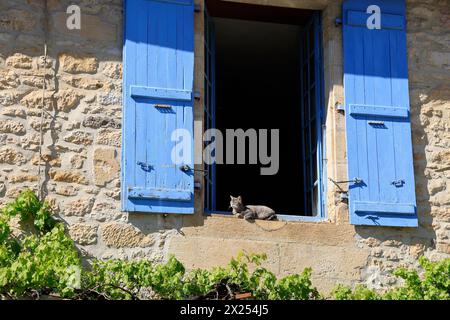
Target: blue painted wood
(367,110)
(320,119)
(374,207)
(312,116)
(209,107)
(160,194)
(379,144)
(388,21)
(160,93)
(158,72)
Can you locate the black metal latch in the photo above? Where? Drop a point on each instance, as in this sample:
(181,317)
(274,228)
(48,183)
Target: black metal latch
(344,194)
(186,168)
(398,183)
(145,166)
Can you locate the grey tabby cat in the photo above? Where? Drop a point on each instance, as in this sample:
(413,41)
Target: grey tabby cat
(251,212)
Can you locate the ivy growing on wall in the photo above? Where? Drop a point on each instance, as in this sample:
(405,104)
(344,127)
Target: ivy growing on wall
(42,260)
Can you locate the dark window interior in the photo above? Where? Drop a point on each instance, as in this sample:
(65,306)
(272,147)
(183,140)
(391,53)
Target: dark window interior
(258,85)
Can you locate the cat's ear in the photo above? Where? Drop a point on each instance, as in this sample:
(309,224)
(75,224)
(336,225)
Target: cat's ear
(231,197)
(239,198)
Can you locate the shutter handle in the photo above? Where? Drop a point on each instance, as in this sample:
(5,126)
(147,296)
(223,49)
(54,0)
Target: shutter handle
(398,183)
(145,166)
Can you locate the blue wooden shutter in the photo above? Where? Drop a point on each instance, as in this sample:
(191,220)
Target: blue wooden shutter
(379,144)
(158,84)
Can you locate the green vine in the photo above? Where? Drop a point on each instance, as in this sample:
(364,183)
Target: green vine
(46,261)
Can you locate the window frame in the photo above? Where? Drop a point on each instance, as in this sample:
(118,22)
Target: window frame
(321,129)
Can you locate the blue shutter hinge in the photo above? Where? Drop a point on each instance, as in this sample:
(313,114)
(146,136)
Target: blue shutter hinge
(338,22)
(197,7)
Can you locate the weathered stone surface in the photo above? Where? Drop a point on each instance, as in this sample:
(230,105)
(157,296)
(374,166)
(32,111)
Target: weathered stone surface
(14,112)
(106,166)
(73,125)
(96,122)
(2,189)
(34,100)
(94,28)
(17,20)
(443,247)
(13,192)
(68,176)
(37,80)
(10,126)
(435,186)
(10,155)
(417,250)
(79,137)
(45,62)
(109,98)
(8,79)
(83,234)
(78,64)
(77,161)
(440,213)
(47,125)
(106,211)
(79,208)
(67,191)
(53,203)
(10,97)
(30,142)
(20,61)
(67,100)
(441,199)
(115,194)
(442,160)
(119,235)
(18,178)
(109,137)
(46,158)
(112,69)
(83,83)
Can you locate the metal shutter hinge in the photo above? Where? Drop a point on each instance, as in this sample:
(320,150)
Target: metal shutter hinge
(340,107)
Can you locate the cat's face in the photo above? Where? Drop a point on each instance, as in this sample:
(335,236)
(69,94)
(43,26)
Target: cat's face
(235,202)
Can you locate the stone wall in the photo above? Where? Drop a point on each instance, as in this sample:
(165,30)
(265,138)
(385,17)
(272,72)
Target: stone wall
(82,110)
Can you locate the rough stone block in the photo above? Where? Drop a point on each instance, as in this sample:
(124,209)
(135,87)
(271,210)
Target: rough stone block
(106,166)
(78,64)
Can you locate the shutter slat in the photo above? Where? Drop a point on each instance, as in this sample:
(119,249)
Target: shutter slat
(160,93)
(388,21)
(380,111)
(379,145)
